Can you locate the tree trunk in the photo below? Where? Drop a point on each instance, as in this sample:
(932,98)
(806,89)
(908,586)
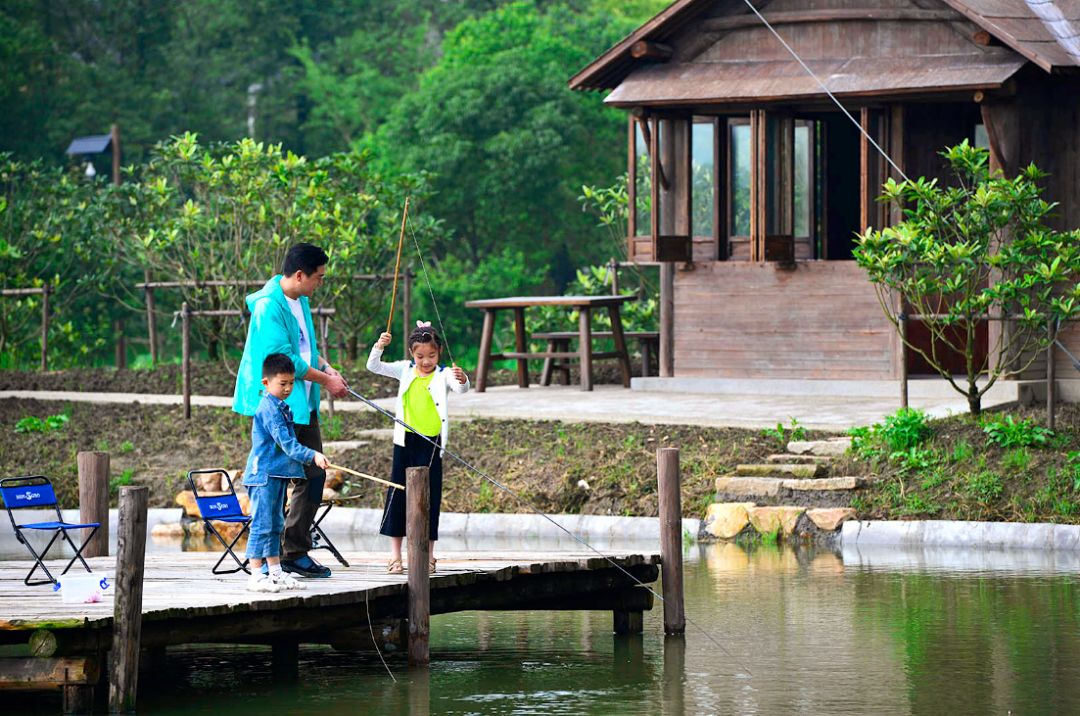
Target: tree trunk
(351,350)
(974,399)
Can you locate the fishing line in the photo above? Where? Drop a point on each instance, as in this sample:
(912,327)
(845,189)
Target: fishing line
(431,292)
(857,123)
(468,466)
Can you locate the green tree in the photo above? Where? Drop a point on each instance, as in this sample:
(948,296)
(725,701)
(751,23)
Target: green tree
(977,251)
(507,142)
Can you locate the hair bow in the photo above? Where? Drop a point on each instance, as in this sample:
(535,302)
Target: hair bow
(423,324)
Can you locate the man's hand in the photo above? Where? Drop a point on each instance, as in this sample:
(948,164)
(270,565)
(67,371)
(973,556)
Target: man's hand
(459,374)
(335,384)
(321,460)
(384,340)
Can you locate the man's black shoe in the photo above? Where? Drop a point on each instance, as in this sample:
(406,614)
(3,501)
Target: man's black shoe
(305,567)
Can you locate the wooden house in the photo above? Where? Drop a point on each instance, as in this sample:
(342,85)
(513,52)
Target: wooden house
(748,184)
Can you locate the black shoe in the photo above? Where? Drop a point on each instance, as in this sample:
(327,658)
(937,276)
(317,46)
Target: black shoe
(305,567)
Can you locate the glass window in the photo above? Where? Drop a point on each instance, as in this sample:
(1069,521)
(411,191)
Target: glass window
(740,179)
(642,185)
(801,200)
(982,139)
(704,179)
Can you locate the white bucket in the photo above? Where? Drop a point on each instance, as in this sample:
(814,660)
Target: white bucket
(83,588)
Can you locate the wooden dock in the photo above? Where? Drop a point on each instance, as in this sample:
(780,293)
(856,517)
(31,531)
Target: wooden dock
(47,644)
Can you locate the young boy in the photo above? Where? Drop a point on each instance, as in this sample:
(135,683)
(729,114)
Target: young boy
(276,457)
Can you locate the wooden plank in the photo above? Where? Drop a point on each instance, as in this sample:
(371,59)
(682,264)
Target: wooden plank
(35,673)
(569,301)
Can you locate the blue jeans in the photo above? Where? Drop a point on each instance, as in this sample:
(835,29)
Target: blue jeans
(267,518)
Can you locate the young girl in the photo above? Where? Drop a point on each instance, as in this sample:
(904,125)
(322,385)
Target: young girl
(421,403)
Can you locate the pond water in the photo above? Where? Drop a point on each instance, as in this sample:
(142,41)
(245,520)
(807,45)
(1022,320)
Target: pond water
(805,631)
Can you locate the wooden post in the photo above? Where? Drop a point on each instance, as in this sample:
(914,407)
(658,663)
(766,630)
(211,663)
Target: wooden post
(1051,392)
(903,361)
(417,506)
(521,346)
(406,312)
(127,614)
(667,320)
(627,623)
(420,692)
(121,344)
(77,699)
(484,359)
(585,346)
(667,474)
(45,327)
(94,499)
(151,321)
(324,340)
(674,676)
(613,267)
(185,367)
(285,659)
(114,132)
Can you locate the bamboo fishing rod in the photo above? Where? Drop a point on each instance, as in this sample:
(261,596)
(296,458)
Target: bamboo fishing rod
(397,265)
(366,477)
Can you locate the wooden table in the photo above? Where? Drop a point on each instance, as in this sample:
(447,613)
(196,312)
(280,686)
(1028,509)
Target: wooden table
(585,305)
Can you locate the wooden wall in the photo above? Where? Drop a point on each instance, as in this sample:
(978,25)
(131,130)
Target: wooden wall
(751,320)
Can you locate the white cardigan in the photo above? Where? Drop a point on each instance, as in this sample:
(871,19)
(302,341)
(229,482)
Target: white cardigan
(442,382)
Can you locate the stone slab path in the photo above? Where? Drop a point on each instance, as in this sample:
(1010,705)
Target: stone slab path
(609,404)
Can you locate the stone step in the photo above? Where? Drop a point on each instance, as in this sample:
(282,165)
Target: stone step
(379,433)
(831,447)
(788,459)
(727,520)
(334,446)
(782,470)
(772,486)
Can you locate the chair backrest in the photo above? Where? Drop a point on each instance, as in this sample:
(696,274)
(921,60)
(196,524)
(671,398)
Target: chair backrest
(29,491)
(215,506)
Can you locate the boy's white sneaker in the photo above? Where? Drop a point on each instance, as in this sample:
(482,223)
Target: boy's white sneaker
(285,581)
(262,583)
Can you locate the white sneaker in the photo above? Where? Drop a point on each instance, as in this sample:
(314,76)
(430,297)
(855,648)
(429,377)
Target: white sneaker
(285,581)
(262,583)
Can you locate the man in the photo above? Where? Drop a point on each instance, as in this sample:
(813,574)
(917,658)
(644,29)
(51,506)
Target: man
(281,323)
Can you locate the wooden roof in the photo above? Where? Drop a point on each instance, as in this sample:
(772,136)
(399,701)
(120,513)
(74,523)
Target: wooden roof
(1046,32)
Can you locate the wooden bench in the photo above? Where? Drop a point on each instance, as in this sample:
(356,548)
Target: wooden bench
(559,342)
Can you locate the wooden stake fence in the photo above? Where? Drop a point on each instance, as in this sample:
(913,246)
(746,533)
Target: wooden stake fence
(148,287)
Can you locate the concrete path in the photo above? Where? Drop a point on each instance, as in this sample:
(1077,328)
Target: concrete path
(615,404)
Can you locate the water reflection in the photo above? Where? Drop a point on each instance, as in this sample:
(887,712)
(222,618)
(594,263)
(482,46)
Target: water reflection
(803,631)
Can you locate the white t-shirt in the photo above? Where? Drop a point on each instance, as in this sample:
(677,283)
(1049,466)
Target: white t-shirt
(305,340)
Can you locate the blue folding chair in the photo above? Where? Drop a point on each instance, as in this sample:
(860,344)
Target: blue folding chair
(37,491)
(222,508)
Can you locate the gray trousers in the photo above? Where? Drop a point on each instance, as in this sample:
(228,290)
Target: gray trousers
(306,496)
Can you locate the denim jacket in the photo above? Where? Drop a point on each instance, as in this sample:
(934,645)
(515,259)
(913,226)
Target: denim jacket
(275,451)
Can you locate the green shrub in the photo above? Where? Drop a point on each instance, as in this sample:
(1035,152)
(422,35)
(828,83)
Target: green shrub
(783,435)
(122,480)
(914,459)
(984,487)
(33,424)
(905,429)
(962,451)
(1016,460)
(1010,433)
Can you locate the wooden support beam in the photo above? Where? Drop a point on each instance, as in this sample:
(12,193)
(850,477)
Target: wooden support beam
(35,674)
(285,659)
(45,290)
(151,320)
(185,357)
(417,507)
(127,613)
(646,50)
(802,17)
(627,622)
(93,468)
(669,491)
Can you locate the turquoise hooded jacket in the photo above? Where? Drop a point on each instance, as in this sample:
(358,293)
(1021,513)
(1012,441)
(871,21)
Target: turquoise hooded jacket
(273,330)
